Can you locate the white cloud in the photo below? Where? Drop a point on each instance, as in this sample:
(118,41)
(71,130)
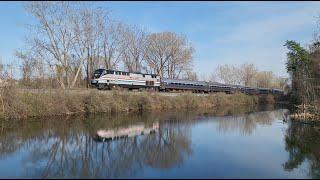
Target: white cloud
(275,27)
(260,41)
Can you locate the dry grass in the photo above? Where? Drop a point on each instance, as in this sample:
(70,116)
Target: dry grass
(267,99)
(16,104)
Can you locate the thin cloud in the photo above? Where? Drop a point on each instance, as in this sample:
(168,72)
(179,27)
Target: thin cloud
(259,42)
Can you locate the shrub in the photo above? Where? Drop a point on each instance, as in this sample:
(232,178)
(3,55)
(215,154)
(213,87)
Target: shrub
(17,104)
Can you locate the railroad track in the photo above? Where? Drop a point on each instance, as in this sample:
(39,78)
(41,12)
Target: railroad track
(84,91)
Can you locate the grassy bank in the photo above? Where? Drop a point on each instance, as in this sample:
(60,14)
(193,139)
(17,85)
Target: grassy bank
(16,104)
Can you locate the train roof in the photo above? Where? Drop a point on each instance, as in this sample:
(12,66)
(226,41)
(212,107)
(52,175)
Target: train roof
(183,81)
(278,89)
(222,84)
(126,71)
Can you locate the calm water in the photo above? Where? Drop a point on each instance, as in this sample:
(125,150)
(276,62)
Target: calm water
(223,144)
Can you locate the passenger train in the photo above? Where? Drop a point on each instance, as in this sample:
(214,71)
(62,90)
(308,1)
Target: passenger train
(109,79)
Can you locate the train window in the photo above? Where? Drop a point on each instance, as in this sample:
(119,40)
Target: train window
(110,72)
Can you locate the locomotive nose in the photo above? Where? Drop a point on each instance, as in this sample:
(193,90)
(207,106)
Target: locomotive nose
(94,82)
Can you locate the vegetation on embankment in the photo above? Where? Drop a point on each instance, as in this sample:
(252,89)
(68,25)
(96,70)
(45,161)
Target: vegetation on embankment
(307,114)
(16,104)
(304,95)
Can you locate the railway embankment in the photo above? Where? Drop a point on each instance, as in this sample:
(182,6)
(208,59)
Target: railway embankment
(23,104)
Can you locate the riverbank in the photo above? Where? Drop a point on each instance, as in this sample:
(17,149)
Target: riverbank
(309,114)
(16,104)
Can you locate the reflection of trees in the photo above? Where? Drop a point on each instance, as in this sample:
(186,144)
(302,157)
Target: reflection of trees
(248,122)
(69,156)
(67,149)
(303,144)
(167,148)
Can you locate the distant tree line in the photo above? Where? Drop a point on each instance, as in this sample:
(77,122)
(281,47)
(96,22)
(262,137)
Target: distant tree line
(247,75)
(72,39)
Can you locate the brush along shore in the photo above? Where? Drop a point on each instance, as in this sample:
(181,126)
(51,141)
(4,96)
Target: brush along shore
(23,104)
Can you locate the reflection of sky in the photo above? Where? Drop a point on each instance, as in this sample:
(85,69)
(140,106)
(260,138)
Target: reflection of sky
(10,166)
(234,155)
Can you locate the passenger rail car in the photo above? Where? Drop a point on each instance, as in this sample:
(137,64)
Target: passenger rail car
(218,87)
(107,79)
(183,85)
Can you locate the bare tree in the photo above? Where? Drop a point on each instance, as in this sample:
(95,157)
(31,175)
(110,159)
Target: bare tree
(247,73)
(111,44)
(133,45)
(190,75)
(54,35)
(71,37)
(181,60)
(28,64)
(212,77)
(168,52)
(228,74)
(2,74)
(90,32)
(264,79)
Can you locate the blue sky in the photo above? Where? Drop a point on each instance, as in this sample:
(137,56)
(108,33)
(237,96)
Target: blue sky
(221,32)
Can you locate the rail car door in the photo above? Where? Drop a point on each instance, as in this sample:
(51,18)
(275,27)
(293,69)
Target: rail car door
(149,83)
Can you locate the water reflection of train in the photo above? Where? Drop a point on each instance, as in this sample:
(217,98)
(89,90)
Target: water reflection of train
(126,132)
(108,79)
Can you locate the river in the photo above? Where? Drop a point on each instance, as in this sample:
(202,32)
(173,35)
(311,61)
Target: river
(232,144)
